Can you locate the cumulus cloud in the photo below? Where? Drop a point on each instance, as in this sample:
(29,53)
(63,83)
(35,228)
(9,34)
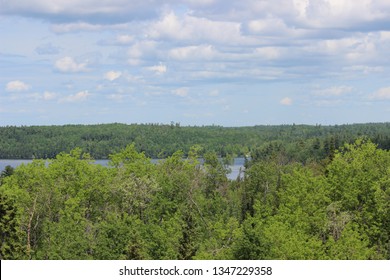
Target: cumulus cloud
(194,29)
(216,41)
(273,27)
(381,94)
(342,13)
(91,10)
(17,86)
(158,69)
(193,53)
(124,39)
(68,64)
(287,101)
(305,13)
(78,97)
(268,53)
(46,96)
(140,50)
(112,75)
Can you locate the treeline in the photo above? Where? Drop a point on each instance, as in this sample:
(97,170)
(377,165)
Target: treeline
(68,208)
(161,141)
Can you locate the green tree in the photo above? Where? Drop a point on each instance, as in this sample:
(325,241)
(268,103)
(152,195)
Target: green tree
(11,246)
(359,182)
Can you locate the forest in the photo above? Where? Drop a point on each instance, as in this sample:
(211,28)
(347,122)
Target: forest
(68,208)
(306,193)
(300,142)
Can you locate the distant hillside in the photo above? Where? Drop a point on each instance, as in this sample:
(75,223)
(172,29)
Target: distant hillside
(159,141)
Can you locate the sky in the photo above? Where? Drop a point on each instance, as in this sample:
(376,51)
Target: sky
(194,62)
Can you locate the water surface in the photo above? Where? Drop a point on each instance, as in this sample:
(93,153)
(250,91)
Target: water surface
(235,167)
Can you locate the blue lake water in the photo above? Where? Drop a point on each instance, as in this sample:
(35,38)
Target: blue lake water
(12,162)
(236,167)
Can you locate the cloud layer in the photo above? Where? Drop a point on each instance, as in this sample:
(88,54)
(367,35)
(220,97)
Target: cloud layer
(68,64)
(16,86)
(206,55)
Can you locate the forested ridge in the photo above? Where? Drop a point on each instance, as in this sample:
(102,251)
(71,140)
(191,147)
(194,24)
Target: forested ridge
(160,141)
(332,207)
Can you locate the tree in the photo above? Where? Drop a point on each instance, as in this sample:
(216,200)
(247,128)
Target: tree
(359,180)
(8,171)
(11,246)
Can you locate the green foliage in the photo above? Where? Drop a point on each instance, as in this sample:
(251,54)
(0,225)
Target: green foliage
(251,242)
(289,142)
(350,245)
(219,245)
(8,171)
(11,236)
(262,182)
(359,176)
(216,174)
(288,242)
(120,237)
(180,208)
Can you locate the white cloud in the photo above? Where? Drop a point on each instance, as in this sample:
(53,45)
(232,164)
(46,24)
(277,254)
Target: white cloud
(274,27)
(364,69)
(247,46)
(381,94)
(68,64)
(78,97)
(47,95)
(124,39)
(263,26)
(200,2)
(84,26)
(310,13)
(384,36)
(268,53)
(333,91)
(103,10)
(287,101)
(340,13)
(354,48)
(335,46)
(193,53)
(158,69)
(182,92)
(195,29)
(15,86)
(140,50)
(112,75)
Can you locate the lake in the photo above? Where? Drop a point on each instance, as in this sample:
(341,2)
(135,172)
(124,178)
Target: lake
(238,164)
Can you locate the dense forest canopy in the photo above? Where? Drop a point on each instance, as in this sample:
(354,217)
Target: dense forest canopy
(307,192)
(67,208)
(161,141)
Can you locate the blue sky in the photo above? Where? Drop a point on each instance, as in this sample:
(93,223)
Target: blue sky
(197,62)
